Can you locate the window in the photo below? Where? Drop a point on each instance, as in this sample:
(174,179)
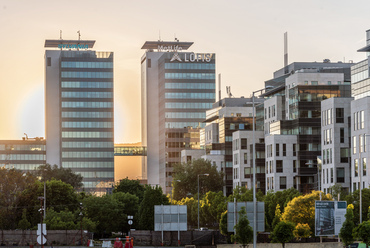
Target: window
(294,149)
(356,167)
(331,175)
(364,166)
(339,114)
(236,158)
(282,182)
(245,158)
(149,63)
(277,150)
(344,155)
(284,149)
(243,143)
(279,166)
(49,61)
(362,118)
(354,144)
(342,135)
(340,175)
(294,165)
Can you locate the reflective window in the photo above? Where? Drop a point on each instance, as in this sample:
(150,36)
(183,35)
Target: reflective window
(202,86)
(87,154)
(188,105)
(86,74)
(69,84)
(67,134)
(85,164)
(184,124)
(189,95)
(89,144)
(87,104)
(72,94)
(189,76)
(185,115)
(75,124)
(87,114)
(80,64)
(190,66)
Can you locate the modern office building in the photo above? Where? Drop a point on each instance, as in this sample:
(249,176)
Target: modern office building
(293,121)
(226,117)
(177,87)
(335,143)
(360,128)
(79,111)
(25,155)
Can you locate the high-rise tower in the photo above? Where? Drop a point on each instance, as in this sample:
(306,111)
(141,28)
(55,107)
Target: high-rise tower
(177,88)
(79,111)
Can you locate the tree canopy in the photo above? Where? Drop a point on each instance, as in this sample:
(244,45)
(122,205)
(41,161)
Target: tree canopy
(185,180)
(346,232)
(283,232)
(130,186)
(302,209)
(243,231)
(47,172)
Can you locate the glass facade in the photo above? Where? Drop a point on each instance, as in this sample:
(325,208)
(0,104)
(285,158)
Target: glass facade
(25,155)
(87,120)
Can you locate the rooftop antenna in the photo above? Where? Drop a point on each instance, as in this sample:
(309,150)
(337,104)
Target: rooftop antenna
(26,136)
(228,91)
(286,52)
(219,86)
(60,34)
(79,35)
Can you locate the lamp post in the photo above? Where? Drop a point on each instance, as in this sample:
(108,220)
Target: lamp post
(254,176)
(81,215)
(206,174)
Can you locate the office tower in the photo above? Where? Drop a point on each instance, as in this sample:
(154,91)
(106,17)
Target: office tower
(293,121)
(25,155)
(177,87)
(79,111)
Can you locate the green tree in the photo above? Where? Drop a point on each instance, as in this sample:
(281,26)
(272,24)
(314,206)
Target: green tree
(363,232)
(130,186)
(346,232)
(12,184)
(272,199)
(242,194)
(47,173)
(244,232)
(24,224)
(277,217)
(192,208)
(66,220)
(106,212)
(283,232)
(302,209)
(152,196)
(354,199)
(185,180)
(129,205)
(213,205)
(302,231)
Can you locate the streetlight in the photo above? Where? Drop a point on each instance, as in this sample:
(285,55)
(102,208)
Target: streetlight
(206,174)
(254,176)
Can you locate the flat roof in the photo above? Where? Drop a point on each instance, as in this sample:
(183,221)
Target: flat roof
(364,49)
(55,43)
(155,44)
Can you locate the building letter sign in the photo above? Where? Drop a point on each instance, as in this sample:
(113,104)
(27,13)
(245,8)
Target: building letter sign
(192,57)
(73,46)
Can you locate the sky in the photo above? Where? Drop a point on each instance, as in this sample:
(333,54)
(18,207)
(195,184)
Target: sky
(247,37)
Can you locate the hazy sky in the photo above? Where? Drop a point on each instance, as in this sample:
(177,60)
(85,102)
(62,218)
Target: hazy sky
(247,37)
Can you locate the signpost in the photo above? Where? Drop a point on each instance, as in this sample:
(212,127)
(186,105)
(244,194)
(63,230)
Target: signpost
(329,217)
(130,222)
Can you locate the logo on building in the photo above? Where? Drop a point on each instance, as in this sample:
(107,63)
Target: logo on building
(73,46)
(176,56)
(192,57)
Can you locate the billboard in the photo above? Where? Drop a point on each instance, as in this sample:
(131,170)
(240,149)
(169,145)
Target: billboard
(260,219)
(170,218)
(329,217)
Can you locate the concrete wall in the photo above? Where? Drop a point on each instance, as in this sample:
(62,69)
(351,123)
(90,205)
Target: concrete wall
(28,237)
(288,245)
